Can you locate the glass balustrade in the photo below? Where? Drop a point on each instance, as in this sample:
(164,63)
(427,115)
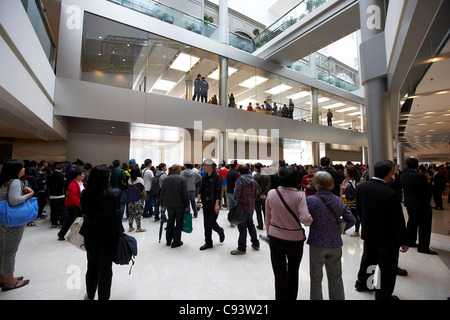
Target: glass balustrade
(138,60)
(41,26)
(295,14)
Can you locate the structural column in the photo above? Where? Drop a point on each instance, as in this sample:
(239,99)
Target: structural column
(401,156)
(374,79)
(314,96)
(223,81)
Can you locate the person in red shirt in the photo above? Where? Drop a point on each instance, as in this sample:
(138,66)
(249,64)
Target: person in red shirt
(306,182)
(223,172)
(249,107)
(72,202)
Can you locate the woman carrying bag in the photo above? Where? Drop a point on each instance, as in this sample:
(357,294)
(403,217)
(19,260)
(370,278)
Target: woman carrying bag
(11,189)
(101,229)
(136,196)
(348,194)
(324,238)
(286,209)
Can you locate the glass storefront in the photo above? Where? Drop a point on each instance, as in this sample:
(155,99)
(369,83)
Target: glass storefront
(119,55)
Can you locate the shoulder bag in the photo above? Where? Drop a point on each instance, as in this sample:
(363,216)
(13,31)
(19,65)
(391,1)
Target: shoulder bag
(341,222)
(19,215)
(142,193)
(73,235)
(291,212)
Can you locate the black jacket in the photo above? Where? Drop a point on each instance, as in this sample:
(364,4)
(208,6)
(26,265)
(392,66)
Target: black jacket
(211,188)
(336,178)
(56,184)
(174,193)
(416,189)
(381,214)
(437,182)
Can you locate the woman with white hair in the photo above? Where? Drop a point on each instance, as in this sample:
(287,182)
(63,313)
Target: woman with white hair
(324,238)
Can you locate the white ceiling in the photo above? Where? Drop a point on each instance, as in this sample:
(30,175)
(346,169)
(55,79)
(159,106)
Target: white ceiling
(427,130)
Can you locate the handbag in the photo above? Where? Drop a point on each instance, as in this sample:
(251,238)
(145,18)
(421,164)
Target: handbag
(142,193)
(19,215)
(187,222)
(291,212)
(73,234)
(236,215)
(341,222)
(350,192)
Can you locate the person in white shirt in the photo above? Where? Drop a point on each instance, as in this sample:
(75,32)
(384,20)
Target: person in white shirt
(147,175)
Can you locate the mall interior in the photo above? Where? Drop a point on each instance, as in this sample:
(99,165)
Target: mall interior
(101,80)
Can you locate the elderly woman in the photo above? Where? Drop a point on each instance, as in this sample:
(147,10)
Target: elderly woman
(324,237)
(285,209)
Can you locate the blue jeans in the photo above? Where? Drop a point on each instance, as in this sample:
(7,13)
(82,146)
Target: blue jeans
(242,227)
(192,197)
(157,202)
(148,208)
(231,199)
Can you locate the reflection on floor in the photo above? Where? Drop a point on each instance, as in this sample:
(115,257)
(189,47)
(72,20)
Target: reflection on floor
(56,269)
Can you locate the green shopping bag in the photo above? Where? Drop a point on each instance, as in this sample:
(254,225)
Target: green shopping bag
(187,222)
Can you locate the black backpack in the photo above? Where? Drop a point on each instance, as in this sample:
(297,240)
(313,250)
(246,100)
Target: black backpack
(126,250)
(155,190)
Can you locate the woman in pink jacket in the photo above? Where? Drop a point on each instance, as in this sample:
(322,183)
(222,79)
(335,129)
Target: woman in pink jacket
(286,209)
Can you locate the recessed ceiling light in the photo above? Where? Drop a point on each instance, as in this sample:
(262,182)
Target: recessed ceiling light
(184,62)
(346,109)
(215,74)
(335,105)
(278,89)
(298,95)
(164,85)
(253,82)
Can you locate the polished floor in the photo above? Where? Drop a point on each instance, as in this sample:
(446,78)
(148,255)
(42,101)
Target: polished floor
(56,269)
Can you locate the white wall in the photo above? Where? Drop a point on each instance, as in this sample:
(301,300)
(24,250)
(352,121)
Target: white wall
(26,76)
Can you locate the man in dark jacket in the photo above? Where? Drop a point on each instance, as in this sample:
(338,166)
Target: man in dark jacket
(56,183)
(417,195)
(210,193)
(325,166)
(383,231)
(437,187)
(174,197)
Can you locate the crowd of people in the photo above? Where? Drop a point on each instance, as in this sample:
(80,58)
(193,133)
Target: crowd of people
(329,199)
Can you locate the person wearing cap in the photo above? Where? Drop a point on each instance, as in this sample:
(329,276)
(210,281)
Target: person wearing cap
(192,178)
(210,193)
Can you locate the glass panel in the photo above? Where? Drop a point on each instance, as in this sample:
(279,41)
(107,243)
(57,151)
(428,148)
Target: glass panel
(170,15)
(294,15)
(345,114)
(297,151)
(41,27)
(112,53)
(122,56)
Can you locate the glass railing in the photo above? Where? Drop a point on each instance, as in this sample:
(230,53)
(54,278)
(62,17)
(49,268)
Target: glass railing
(41,26)
(329,70)
(169,15)
(205,28)
(185,21)
(295,14)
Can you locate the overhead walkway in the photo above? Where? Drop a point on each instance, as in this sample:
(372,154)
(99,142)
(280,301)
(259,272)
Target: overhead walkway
(301,32)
